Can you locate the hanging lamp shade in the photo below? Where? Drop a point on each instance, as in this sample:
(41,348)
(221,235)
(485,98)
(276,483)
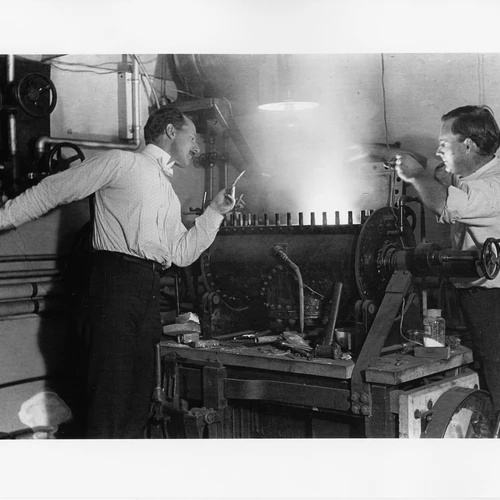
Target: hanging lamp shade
(288,105)
(284,94)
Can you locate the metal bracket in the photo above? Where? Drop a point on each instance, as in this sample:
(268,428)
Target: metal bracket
(361,398)
(364,312)
(197,419)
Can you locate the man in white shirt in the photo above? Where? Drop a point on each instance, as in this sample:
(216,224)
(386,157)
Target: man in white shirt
(137,232)
(464,192)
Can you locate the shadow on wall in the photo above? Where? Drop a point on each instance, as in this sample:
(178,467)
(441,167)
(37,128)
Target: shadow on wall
(35,334)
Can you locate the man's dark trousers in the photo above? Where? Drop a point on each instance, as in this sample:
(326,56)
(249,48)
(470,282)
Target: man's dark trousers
(120,327)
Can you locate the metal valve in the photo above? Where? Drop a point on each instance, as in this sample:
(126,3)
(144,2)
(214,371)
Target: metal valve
(490,258)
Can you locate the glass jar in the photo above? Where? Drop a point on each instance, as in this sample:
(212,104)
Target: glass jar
(434,329)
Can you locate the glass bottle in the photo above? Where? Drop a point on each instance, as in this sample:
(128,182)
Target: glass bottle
(434,329)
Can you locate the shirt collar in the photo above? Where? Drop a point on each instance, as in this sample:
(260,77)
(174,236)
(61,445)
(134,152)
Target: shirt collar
(161,157)
(480,171)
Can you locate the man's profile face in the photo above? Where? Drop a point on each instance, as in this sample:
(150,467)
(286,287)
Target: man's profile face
(184,146)
(452,151)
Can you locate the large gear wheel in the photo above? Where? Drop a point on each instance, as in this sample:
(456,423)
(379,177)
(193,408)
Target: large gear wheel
(380,231)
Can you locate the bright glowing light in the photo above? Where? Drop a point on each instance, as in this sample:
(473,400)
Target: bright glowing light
(288,106)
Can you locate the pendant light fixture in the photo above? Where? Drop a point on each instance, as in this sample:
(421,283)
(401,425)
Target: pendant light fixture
(285,100)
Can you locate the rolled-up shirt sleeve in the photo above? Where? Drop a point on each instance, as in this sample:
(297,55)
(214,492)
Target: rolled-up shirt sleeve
(474,203)
(70,185)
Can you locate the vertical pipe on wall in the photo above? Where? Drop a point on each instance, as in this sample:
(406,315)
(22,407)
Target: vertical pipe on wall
(210,169)
(223,180)
(136,116)
(12,119)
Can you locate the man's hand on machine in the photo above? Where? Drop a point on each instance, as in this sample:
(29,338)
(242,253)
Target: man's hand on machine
(407,167)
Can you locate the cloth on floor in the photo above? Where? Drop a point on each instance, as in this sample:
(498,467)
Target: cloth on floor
(45,409)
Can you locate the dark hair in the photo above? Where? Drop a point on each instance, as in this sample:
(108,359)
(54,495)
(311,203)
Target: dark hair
(477,123)
(158,121)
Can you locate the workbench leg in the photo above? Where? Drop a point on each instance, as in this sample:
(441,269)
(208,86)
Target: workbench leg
(382,423)
(213,397)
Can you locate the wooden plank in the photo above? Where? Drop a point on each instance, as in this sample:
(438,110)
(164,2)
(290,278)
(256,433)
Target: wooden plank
(381,326)
(395,369)
(418,399)
(287,393)
(382,422)
(329,368)
(432,352)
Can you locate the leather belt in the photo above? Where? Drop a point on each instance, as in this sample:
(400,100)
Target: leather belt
(151,264)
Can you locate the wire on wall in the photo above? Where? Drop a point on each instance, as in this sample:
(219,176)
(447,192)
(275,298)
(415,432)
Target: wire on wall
(103,69)
(146,75)
(392,173)
(384,101)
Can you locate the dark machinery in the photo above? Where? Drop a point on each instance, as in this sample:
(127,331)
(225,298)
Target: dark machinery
(282,278)
(27,98)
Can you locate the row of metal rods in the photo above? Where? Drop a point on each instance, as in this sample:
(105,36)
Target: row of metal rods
(243,219)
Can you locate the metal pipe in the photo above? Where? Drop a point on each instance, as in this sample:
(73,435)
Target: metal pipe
(209,171)
(10,68)
(29,266)
(158,366)
(131,145)
(30,290)
(29,279)
(29,258)
(12,136)
(392,181)
(225,167)
(19,307)
(12,131)
(279,251)
(177,294)
(29,273)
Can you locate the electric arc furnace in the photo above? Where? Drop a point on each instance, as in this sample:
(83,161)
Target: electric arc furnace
(307,333)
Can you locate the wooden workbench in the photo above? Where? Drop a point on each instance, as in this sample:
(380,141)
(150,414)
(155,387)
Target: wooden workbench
(264,358)
(389,369)
(394,368)
(269,393)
